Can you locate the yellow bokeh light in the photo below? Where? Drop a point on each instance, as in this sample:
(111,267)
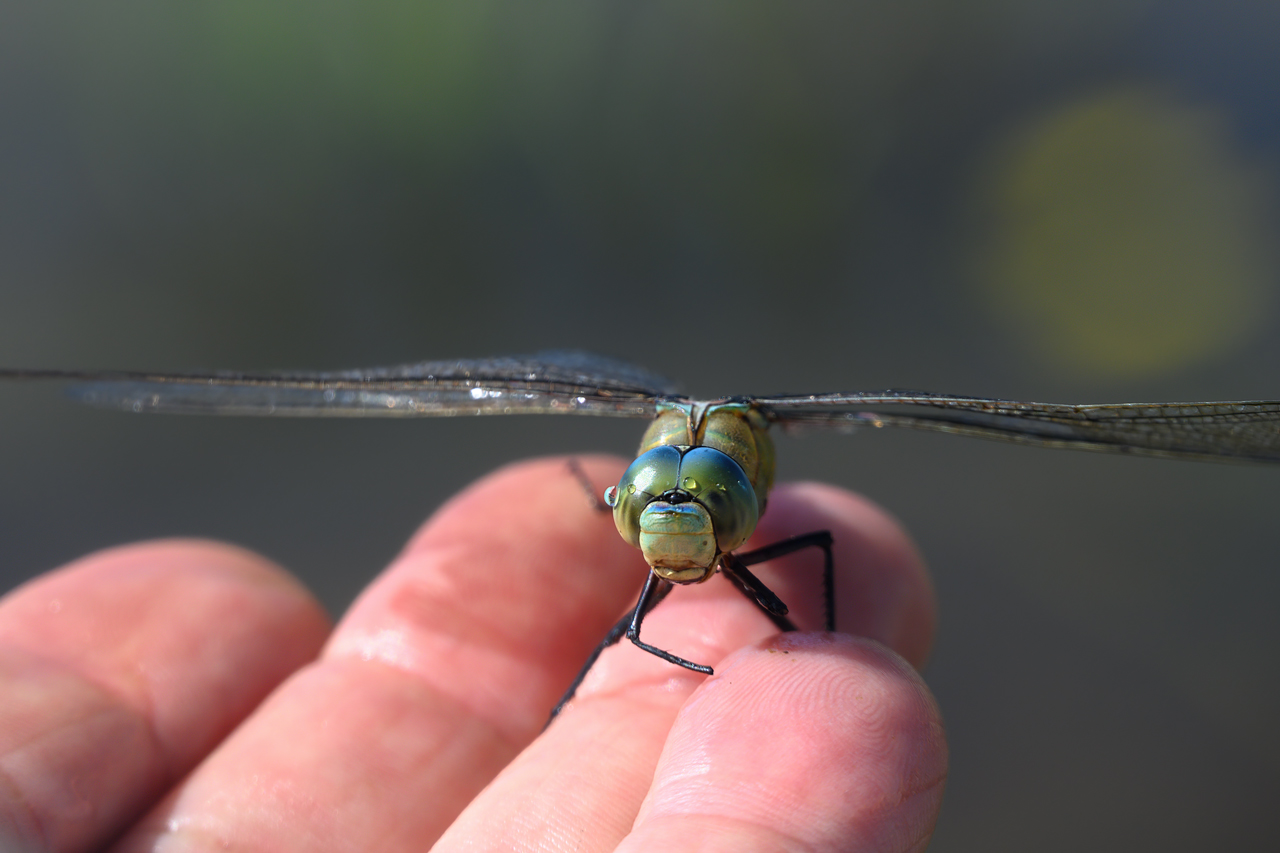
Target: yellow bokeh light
(1128,236)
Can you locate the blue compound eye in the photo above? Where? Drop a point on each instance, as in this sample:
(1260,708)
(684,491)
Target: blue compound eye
(717,482)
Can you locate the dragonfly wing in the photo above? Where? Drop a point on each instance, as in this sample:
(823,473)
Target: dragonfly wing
(1245,431)
(549,383)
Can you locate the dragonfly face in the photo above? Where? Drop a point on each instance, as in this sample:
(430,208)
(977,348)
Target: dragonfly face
(683,507)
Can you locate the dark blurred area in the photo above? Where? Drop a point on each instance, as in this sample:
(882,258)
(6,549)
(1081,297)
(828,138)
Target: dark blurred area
(1065,202)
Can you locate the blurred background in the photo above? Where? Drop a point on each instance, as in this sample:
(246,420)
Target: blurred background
(1061,201)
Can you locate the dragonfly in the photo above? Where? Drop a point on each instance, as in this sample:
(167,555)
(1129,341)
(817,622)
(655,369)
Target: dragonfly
(702,474)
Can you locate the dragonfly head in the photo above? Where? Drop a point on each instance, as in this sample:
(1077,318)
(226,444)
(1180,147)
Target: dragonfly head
(683,507)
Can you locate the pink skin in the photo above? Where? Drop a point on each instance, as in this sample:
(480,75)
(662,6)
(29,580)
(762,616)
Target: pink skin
(184,695)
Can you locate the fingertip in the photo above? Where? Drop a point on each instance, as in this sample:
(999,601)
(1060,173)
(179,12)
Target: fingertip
(824,739)
(513,502)
(501,595)
(105,612)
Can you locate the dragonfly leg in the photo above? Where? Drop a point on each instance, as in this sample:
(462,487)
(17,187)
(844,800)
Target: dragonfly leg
(754,589)
(616,633)
(597,502)
(734,566)
(651,587)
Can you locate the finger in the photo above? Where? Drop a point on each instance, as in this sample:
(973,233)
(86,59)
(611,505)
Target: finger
(833,744)
(441,672)
(496,601)
(587,775)
(121,670)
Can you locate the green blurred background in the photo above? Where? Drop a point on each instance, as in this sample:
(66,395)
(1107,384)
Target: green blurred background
(1064,201)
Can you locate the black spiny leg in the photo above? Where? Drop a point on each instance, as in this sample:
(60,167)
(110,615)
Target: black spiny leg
(754,589)
(651,588)
(734,567)
(654,593)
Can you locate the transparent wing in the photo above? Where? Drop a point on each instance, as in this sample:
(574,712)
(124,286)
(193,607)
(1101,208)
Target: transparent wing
(547,383)
(1248,430)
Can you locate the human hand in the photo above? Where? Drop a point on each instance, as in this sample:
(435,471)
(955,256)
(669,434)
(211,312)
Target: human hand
(185,695)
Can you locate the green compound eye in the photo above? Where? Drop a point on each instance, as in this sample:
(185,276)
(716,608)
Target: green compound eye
(719,484)
(654,472)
